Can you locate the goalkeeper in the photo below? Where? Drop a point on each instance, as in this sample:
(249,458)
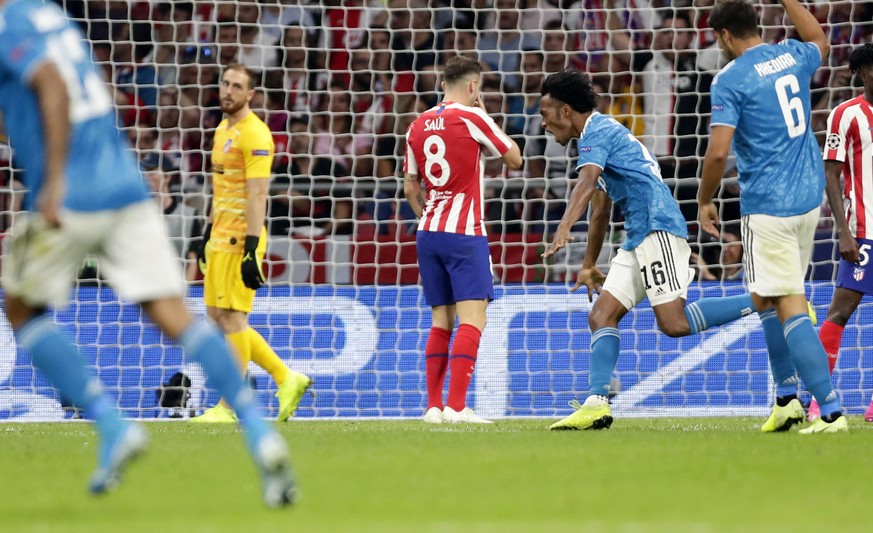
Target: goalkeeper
(235,239)
(614,166)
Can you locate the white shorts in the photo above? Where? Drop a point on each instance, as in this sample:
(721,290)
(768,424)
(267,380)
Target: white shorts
(657,268)
(131,244)
(777,251)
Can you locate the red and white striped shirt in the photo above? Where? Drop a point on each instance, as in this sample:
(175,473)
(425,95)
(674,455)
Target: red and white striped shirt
(850,141)
(444,148)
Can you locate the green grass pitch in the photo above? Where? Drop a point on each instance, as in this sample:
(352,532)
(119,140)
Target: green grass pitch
(702,474)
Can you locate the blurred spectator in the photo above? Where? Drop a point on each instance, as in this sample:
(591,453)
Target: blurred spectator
(311,203)
(184,226)
(675,94)
(256,49)
(173,31)
(719,260)
(227,41)
(278,15)
(293,56)
(338,135)
(559,49)
(345,25)
(414,39)
(131,75)
(501,47)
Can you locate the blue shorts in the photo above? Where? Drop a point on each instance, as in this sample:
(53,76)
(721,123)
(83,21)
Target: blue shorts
(855,277)
(454,267)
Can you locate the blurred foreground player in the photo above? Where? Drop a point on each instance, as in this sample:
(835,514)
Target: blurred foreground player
(86,196)
(444,148)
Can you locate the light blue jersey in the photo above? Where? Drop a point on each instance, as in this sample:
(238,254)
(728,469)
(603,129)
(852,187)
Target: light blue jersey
(101,172)
(631,178)
(764,95)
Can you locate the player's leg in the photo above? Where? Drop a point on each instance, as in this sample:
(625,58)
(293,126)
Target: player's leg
(436,285)
(663,260)
(467,261)
(140,264)
(204,344)
(462,361)
(38,271)
(622,290)
(436,353)
(778,252)
(843,304)
(291,385)
(228,302)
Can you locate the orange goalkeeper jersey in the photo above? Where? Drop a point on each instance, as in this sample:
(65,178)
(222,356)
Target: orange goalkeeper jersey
(241,152)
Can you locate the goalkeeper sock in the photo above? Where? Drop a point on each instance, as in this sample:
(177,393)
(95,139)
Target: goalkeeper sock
(204,344)
(781,366)
(604,355)
(436,361)
(461,363)
(710,312)
(242,347)
(264,356)
(831,335)
(811,361)
(62,364)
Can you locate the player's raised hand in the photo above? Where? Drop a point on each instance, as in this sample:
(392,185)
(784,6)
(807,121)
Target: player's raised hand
(50,201)
(707,216)
(562,239)
(849,249)
(592,278)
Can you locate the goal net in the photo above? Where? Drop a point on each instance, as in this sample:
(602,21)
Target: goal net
(338,83)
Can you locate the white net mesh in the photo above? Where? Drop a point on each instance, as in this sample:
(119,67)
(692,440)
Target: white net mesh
(339,83)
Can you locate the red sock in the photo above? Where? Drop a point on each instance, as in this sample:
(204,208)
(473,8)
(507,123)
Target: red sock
(462,361)
(436,354)
(830,336)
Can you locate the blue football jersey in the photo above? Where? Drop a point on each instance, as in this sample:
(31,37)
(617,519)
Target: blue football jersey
(101,171)
(764,96)
(632,179)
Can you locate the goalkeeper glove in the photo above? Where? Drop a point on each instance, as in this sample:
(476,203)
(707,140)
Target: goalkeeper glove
(201,252)
(252,276)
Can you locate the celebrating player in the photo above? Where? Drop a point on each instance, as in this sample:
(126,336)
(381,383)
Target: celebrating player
(236,239)
(86,196)
(849,150)
(614,166)
(445,147)
(760,101)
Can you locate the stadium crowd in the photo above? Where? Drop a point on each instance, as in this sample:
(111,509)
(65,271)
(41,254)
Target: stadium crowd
(341,80)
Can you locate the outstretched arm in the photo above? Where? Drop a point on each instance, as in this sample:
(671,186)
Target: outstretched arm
(807,26)
(714,163)
(586,185)
(54,108)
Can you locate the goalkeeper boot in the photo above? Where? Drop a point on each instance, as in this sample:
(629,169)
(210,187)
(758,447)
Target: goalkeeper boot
(115,454)
(782,418)
(290,393)
(434,415)
(593,414)
(868,415)
(813,413)
(820,426)
(216,415)
(278,487)
(464,416)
